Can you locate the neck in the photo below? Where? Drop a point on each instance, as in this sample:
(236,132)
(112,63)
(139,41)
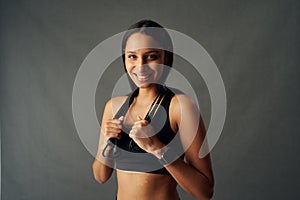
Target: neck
(147,94)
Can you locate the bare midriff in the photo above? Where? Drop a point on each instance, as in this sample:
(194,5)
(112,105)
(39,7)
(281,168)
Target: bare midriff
(145,186)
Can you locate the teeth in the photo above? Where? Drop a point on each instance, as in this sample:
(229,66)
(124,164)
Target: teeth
(142,77)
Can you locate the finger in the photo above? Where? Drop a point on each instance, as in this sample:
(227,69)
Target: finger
(136,133)
(116,121)
(113,124)
(111,130)
(143,121)
(140,120)
(134,127)
(112,134)
(132,133)
(137,126)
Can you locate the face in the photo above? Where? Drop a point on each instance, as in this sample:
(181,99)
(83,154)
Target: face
(144,59)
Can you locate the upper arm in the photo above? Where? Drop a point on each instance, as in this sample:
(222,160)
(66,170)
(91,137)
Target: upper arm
(192,133)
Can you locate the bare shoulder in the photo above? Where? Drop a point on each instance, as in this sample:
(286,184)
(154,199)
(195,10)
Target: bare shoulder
(114,104)
(182,104)
(182,101)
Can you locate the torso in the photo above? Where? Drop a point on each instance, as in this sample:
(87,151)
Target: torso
(145,186)
(141,185)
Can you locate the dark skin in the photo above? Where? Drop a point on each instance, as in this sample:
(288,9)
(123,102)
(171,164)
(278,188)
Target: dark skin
(194,175)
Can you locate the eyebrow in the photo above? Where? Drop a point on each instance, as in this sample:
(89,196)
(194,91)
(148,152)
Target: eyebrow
(151,51)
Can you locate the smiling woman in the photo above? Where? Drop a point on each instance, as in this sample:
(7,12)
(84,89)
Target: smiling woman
(143,64)
(136,139)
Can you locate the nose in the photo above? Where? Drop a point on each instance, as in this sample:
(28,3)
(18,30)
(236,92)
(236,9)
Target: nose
(142,65)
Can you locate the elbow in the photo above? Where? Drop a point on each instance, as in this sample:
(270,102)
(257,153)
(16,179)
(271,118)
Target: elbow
(98,175)
(99,179)
(205,194)
(210,191)
(210,194)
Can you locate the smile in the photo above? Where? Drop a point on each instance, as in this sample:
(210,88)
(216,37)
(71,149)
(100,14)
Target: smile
(142,78)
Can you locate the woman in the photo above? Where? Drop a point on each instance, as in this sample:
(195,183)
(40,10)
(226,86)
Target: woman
(148,162)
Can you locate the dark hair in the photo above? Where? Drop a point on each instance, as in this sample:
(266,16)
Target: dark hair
(158,33)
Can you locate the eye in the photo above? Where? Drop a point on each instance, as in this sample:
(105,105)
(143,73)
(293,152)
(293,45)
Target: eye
(152,57)
(131,56)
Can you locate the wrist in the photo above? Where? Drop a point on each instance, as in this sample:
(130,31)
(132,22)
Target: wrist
(158,153)
(167,156)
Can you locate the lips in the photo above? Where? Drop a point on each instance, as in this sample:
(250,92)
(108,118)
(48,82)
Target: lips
(142,77)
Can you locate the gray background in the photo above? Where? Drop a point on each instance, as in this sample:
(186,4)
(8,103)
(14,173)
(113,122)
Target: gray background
(255,44)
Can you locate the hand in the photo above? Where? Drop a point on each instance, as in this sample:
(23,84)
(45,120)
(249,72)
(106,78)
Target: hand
(113,128)
(144,136)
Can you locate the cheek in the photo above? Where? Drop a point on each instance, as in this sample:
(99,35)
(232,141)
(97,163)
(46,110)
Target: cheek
(158,68)
(160,71)
(128,66)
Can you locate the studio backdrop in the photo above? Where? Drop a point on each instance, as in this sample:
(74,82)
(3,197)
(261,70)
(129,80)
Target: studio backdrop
(254,44)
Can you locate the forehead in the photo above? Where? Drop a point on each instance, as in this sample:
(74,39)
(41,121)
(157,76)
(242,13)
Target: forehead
(141,41)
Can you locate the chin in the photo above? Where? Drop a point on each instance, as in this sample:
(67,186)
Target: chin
(145,85)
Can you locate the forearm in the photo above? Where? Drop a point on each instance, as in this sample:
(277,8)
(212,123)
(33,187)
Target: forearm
(101,171)
(191,180)
(102,167)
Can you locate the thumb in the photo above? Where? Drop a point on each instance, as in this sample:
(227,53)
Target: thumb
(143,122)
(139,118)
